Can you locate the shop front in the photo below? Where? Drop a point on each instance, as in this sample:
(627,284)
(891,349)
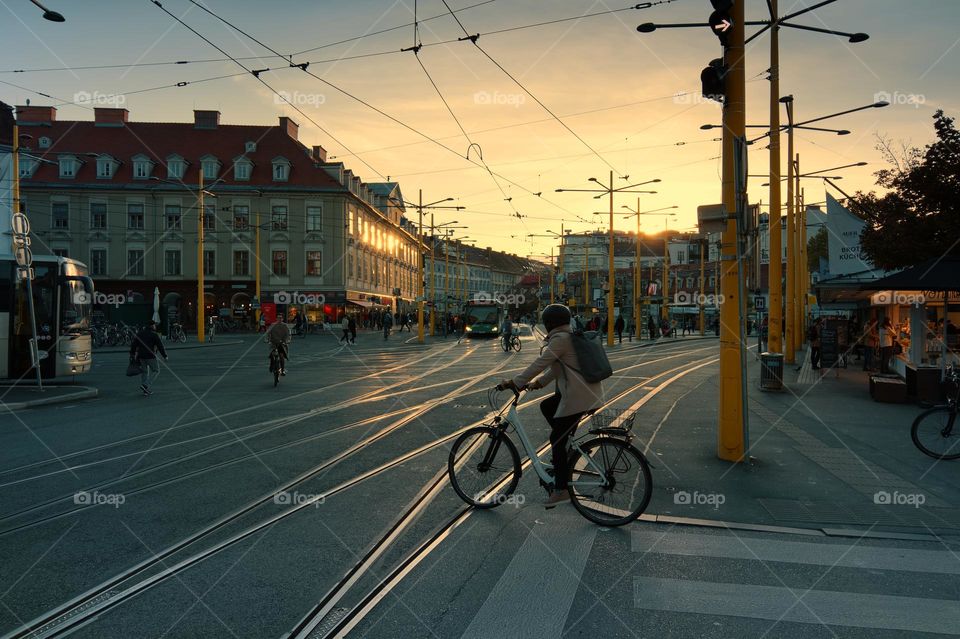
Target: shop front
(318,306)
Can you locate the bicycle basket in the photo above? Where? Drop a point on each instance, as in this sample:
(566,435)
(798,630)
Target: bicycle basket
(617,420)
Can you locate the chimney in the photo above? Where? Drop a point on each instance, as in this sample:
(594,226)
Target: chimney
(103,116)
(319,154)
(206,119)
(36,114)
(289,127)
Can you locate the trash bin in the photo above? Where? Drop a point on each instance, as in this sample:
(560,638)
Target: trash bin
(771,371)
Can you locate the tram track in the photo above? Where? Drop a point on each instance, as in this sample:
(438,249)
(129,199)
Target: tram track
(321,622)
(81,609)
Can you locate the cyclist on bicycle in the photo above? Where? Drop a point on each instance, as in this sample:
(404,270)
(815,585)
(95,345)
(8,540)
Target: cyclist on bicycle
(506,332)
(572,399)
(278,336)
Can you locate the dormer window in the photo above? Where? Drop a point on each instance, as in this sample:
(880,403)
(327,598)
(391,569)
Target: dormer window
(242,168)
(44,142)
(281,169)
(142,167)
(27,167)
(250,147)
(106,167)
(176,167)
(210,166)
(68,166)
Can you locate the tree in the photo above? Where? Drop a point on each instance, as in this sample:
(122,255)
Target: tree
(919,217)
(817,250)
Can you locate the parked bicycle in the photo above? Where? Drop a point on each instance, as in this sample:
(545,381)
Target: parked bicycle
(176,333)
(610,482)
(935,431)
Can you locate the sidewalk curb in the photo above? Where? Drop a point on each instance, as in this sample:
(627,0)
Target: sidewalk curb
(84,392)
(180,347)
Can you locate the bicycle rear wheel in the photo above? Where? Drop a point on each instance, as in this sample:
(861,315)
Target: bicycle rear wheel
(610,482)
(936,434)
(484,467)
(515,343)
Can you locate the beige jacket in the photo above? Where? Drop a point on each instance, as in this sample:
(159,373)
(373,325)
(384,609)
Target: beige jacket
(576,394)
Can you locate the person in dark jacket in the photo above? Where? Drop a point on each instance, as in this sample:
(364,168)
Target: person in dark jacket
(618,327)
(144,349)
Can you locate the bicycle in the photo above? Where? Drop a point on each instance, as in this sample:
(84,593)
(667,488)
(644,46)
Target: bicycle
(605,468)
(176,333)
(510,342)
(935,431)
(276,364)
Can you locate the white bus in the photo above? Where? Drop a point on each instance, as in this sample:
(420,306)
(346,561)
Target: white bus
(62,301)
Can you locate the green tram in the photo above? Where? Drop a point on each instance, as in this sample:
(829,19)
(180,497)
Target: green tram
(482,319)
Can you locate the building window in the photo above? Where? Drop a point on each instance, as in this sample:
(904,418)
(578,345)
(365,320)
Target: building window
(135,262)
(142,169)
(279,218)
(171,262)
(680,256)
(279,262)
(314,263)
(44,142)
(105,167)
(27,167)
(280,171)
(241,217)
(61,252)
(98,262)
(209,262)
(68,167)
(176,168)
(241,263)
(209,217)
(135,216)
(314,218)
(210,168)
(59,215)
(241,171)
(173,217)
(98,215)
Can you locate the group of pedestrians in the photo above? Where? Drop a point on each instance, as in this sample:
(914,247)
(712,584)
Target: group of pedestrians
(349,327)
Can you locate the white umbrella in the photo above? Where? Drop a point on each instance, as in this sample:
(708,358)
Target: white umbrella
(156,304)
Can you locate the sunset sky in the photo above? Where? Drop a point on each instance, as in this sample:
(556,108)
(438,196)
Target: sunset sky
(630,96)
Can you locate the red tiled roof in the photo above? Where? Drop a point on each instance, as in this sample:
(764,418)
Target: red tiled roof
(158,140)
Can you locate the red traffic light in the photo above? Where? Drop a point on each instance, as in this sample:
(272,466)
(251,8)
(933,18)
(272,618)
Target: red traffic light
(713,81)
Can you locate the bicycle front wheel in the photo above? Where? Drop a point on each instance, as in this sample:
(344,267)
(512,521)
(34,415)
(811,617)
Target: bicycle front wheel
(935,433)
(515,343)
(610,482)
(484,467)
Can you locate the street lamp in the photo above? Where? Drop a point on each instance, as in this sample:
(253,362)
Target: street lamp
(636,273)
(52,16)
(611,277)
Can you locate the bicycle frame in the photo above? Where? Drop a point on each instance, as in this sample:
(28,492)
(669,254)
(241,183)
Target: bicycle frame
(540,467)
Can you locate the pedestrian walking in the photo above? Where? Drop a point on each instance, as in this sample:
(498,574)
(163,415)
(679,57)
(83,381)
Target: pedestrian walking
(870,340)
(345,327)
(618,327)
(144,350)
(387,321)
(813,336)
(886,344)
(651,328)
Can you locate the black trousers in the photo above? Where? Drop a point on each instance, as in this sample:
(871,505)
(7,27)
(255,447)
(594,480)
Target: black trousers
(560,430)
(815,356)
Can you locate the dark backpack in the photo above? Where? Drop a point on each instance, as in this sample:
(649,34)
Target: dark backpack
(592,358)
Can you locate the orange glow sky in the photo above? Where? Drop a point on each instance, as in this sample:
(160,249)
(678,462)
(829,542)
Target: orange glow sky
(641,91)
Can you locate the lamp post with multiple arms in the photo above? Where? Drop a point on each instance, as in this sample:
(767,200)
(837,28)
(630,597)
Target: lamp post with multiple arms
(559,267)
(611,277)
(201,305)
(433,267)
(666,254)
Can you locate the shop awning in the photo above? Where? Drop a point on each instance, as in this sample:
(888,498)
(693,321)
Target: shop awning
(361,303)
(938,274)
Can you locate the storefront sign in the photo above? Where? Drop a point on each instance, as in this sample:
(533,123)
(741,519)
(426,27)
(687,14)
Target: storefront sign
(843,240)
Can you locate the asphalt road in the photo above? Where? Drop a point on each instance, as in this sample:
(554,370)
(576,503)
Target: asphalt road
(242,507)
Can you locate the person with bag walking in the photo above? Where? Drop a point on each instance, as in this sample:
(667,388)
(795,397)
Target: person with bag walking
(345,327)
(144,350)
(574,395)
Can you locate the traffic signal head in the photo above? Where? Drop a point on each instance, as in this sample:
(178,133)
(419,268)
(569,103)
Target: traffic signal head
(713,81)
(720,20)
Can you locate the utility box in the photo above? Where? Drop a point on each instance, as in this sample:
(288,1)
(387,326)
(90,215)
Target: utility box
(771,371)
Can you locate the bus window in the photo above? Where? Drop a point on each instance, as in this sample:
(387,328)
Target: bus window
(75,307)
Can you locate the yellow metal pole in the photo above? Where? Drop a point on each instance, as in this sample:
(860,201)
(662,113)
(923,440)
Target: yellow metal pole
(730,432)
(446,276)
(702,300)
(562,284)
(664,310)
(799,288)
(552,270)
(804,266)
(201,306)
(790,337)
(256,315)
(433,280)
(420,336)
(586,275)
(611,278)
(637,303)
(775,224)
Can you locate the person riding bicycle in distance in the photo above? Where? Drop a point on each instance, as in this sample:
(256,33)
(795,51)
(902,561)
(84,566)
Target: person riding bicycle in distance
(278,336)
(506,328)
(573,397)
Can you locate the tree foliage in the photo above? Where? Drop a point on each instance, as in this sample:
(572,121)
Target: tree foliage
(919,217)
(817,250)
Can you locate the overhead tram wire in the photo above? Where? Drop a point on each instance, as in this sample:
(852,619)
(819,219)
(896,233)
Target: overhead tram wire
(256,74)
(474,38)
(303,67)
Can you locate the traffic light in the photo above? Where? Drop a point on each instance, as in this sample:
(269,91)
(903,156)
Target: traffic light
(720,20)
(713,81)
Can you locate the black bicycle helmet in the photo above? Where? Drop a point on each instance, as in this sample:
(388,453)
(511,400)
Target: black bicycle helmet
(555,315)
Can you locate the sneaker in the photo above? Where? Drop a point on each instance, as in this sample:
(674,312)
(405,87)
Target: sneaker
(556,497)
(283,372)
(143,388)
